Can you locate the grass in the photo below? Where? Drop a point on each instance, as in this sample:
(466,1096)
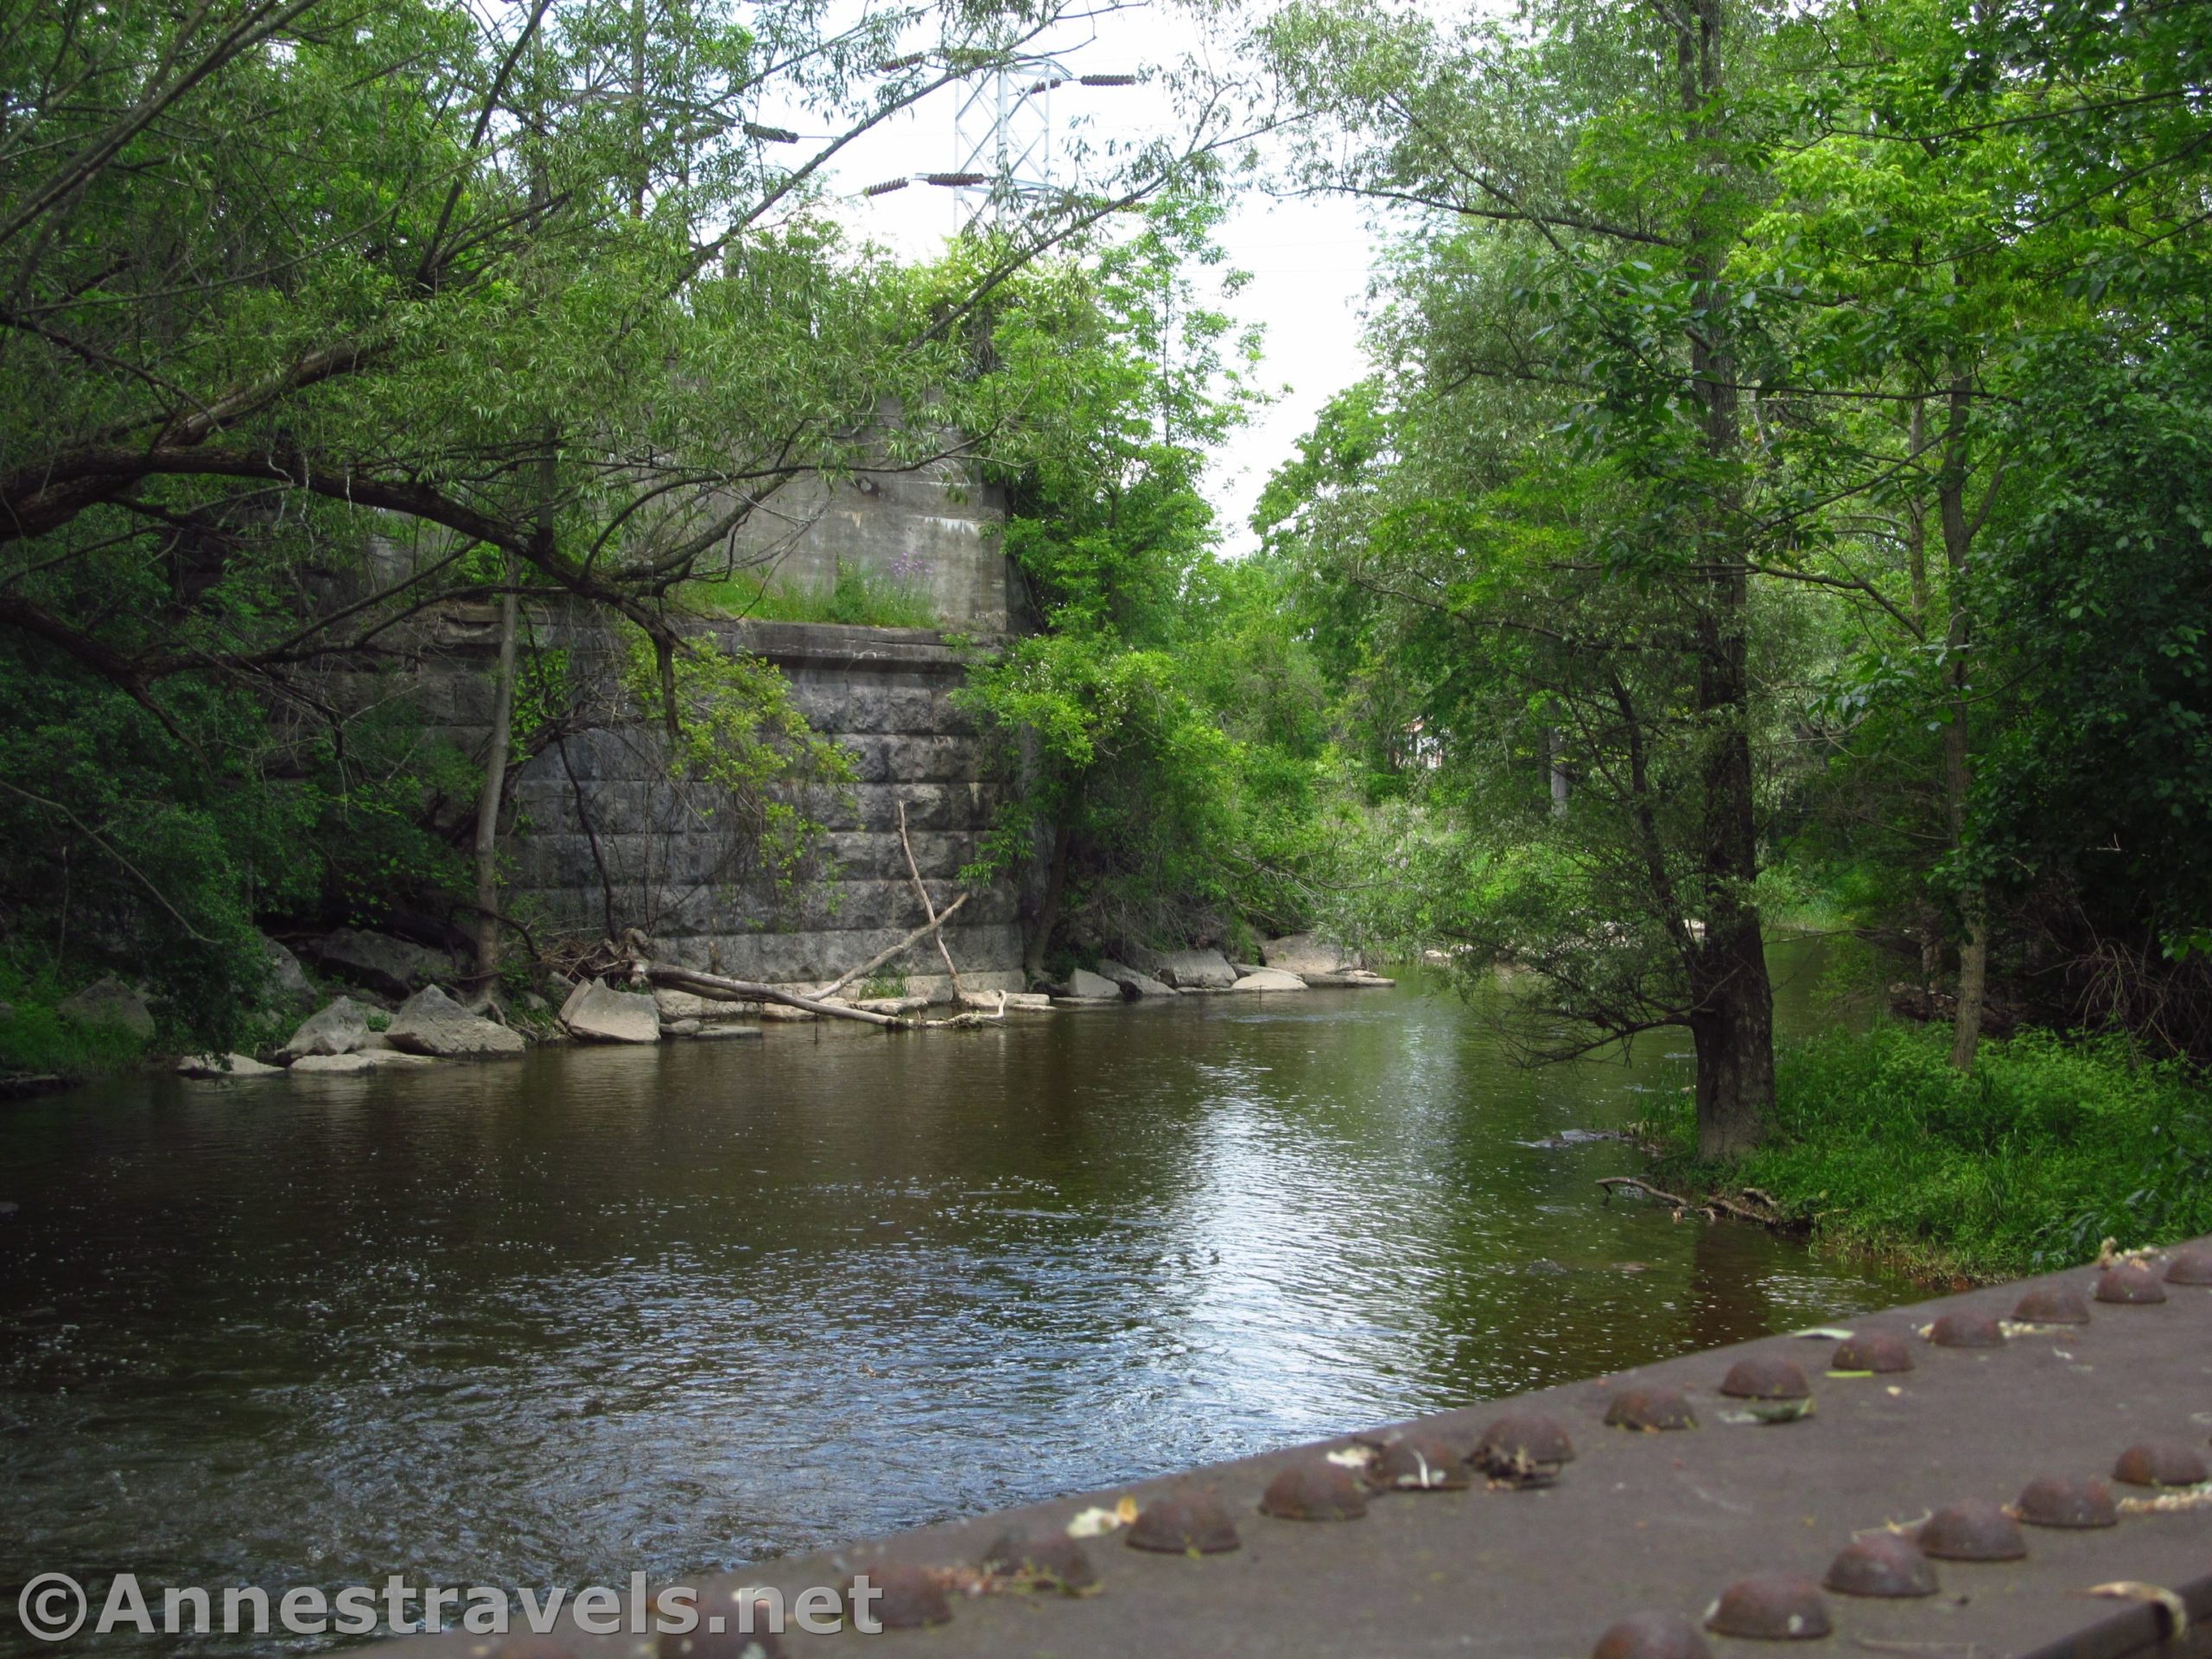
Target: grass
(858,600)
(34,1039)
(2049,1147)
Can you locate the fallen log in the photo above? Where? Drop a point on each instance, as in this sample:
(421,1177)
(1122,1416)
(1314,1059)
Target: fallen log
(1712,1206)
(720,989)
(929,909)
(1678,1204)
(882,956)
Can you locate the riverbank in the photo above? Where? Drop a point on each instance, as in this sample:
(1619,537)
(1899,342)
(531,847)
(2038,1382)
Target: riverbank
(1886,1153)
(383,1001)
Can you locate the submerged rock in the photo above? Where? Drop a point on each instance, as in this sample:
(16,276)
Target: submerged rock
(333,1065)
(686,1005)
(341,1028)
(224,1065)
(599,1014)
(1008,1001)
(430,1022)
(108,1002)
(896,1006)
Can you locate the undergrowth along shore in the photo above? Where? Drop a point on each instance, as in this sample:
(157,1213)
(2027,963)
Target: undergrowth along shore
(2049,1147)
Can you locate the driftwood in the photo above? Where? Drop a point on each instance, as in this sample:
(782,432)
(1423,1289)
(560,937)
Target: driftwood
(929,909)
(1676,1203)
(742,990)
(882,956)
(1712,1206)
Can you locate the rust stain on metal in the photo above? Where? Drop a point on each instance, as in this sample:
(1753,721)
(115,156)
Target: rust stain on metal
(1652,1636)
(1974,1530)
(1879,1351)
(1772,1607)
(2161,1463)
(1419,1463)
(911,1598)
(2189,1266)
(2068,1501)
(1523,1449)
(2131,1284)
(1184,1523)
(1968,1328)
(1651,1409)
(1766,1377)
(1882,1565)
(2055,1304)
(1313,1488)
(1041,1559)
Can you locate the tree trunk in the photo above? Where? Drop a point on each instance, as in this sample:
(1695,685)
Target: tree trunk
(1973,931)
(1048,909)
(1732,1018)
(495,783)
(1732,1032)
(1958,765)
(1732,1006)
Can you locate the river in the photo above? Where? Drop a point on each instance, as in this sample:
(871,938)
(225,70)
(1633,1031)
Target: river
(549,1321)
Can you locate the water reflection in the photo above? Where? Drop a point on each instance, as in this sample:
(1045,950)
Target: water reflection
(549,1321)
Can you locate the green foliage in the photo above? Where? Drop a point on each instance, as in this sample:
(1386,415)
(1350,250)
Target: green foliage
(1884,354)
(858,598)
(34,1039)
(2099,588)
(324,319)
(1166,729)
(2047,1148)
(742,743)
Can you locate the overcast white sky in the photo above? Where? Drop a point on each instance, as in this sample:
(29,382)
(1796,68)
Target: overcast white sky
(1307,257)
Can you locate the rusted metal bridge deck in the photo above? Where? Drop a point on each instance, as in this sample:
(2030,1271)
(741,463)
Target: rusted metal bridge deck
(1538,1561)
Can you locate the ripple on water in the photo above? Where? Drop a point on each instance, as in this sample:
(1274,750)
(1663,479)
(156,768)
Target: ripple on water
(673,1310)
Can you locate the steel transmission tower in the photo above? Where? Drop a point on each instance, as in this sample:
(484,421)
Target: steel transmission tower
(1003,133)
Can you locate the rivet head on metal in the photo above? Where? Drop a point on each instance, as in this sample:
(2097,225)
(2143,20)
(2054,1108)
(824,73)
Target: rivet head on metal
(1975,1530)
(1872,1351)
(1419,1463)
(1774,1607)
(702,1641)
(910,1598)
(1652,1636)
(1881,1564)
(2191,1267)
(1522,1438)
(2067,1501)
(1183,1524)
(2052,1304)
(1766,1377)
(2161,1463)
(1968,1329)
(1043,1559)
(1313,1488)
(1650,1409)
(2130,1283)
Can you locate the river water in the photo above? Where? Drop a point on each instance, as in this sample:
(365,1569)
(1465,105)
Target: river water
(553,1320)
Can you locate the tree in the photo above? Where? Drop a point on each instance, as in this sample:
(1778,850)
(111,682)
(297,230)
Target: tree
(1582,175)
(324,314)
(1161,732)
